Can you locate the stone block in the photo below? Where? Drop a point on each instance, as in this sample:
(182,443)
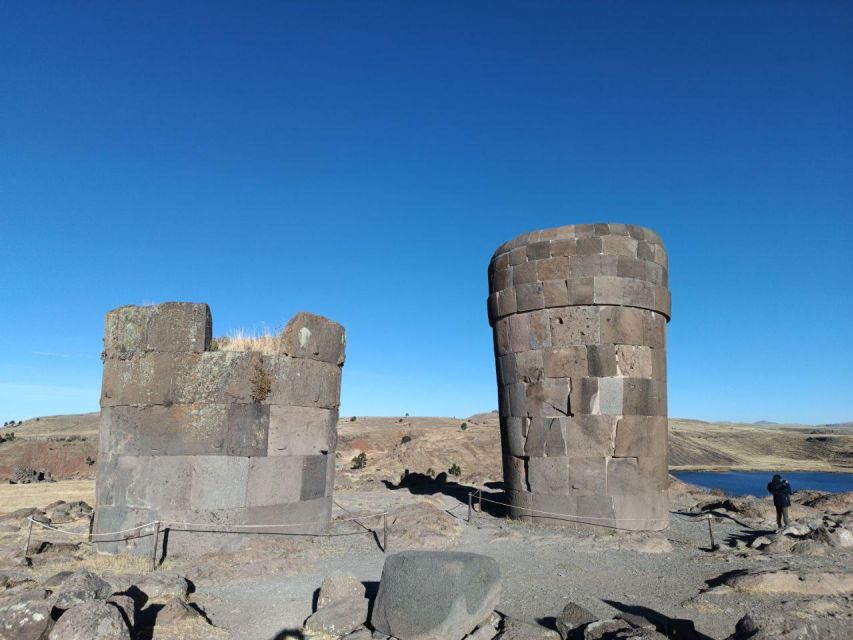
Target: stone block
(537,436)
(219,482)
(584,396)
(520,504)
(548,397)
(663,301)
(568,362)
(574,326)
(643,397)
(539,323)
(564,247)
(588,246)
(623,476)
(654,330)
(601,360)
(519,333)
(145,379)
(552,269)
(301,430)
(589,435)
(539,250)
(501,336)
(623,325)
(330,475)
(492,307)
(169,327)
(588,476)
(274,480)
(313,477)
(548,475)
(110,518)
(524,274)
(553,510)
(306,383)
(659,364)
(513,435)
(529,367)
(555,440)
(529,297)
(517,256)
(517,395)
(619,245)
(555,293)
(581,290)
(642,511)
(627,267)
(584,266)
(633,361)
(595,509)
(248,428)
(611,396)
(515,475)
(313,337)
(506,302)
(218,376)
(507,369)
(641,436)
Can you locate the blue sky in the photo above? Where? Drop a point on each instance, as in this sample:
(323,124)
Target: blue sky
(363,160)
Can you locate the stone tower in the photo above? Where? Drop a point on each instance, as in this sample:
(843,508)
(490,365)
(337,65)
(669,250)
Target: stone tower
(579,316)
(201,436)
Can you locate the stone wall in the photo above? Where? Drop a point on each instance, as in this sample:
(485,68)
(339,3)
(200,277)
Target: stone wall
(222,437)
(579,316)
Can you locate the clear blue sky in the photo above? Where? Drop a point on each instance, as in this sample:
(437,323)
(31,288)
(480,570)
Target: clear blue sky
(363,160)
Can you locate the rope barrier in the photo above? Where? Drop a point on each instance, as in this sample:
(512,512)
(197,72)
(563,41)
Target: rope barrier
(577,518)
(175,524)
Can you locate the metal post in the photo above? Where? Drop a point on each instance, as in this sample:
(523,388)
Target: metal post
(384,533)
(714,547)
(29,535)
(480,501)
(91,524)
(469,507)
(154,550)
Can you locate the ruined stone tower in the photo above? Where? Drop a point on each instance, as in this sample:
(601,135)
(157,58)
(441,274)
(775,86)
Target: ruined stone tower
(201,436)
(579,316)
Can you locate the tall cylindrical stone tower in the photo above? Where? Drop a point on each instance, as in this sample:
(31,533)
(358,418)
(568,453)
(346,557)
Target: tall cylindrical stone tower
(579,316)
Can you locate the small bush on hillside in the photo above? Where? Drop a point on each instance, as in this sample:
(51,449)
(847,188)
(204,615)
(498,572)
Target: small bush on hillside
(353,419)
(454,470)
(463,426)
(406,439)
(430,472)
(359,461)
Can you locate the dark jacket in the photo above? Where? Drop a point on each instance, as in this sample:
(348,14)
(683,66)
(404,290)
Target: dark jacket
(781,491)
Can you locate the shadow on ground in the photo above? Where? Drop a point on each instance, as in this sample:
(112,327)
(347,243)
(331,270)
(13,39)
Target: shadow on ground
(672,628)
(423,484)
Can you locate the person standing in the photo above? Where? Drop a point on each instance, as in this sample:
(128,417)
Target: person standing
(781,492)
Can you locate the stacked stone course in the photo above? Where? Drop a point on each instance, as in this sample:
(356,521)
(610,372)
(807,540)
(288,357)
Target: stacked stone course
(579,318)
(221,437)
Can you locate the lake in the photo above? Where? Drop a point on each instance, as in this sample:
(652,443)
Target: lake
(754,483)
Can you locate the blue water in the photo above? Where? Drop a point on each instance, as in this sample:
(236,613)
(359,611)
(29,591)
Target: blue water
(754,483)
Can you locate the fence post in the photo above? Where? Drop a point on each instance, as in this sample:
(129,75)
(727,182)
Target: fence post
(384,533)
(714,547)
(469,506)
(91,525)
(480,501)
(29,535)
(154,550)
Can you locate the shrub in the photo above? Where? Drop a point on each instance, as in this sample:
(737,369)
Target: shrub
(454,470)
(359,461)
(352,419)
(261,383)
(430,472)
(463,426)
(406,439)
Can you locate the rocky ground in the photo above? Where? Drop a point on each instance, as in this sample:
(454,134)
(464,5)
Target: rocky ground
(800,578)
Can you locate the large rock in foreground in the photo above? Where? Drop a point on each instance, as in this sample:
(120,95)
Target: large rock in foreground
(435,595)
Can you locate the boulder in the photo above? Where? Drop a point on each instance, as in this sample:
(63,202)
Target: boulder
(339,586)
(573,617)
(176,610)
(157,586)
(126,607)
(604,629)
(782,625)
(435,595)
(338,618)
(517,630)
(77,587)
(25,616)
(92,620)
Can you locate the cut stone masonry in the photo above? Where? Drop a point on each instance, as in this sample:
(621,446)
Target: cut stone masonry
(214,437)
(579,317)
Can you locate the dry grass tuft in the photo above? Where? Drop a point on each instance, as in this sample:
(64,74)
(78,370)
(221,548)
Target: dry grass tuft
(266,341)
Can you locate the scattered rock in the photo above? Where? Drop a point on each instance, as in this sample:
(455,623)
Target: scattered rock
(517,630)
(805,581)
(126,607)
(573,617)
(604,628)
(158,586)
(337,618)
(176,610)
(782,625)
(92,620)
(760,542)
(25,616)
(339,586)
(436,594)
(78,587)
